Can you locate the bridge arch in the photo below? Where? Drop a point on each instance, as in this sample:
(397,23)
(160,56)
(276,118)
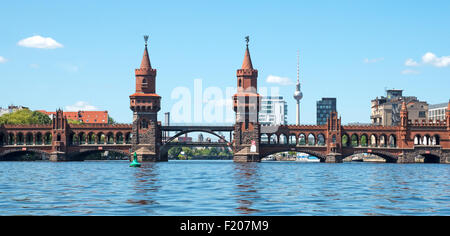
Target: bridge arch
(81,155)
(17,155)
(194,131)
(388,157)
(271,151)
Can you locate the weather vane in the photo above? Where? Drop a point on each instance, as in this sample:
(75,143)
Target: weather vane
(247,39)
(146,39)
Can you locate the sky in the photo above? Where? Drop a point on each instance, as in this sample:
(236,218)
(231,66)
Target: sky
(82,54)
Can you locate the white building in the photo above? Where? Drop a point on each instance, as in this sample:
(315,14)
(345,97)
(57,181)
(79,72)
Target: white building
(437,112)
(11,109)
(273,111)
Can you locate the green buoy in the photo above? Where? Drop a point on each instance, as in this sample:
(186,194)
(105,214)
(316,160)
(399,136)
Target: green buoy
(135,163)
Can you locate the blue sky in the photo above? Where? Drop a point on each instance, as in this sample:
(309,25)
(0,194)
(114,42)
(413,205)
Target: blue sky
(351,50)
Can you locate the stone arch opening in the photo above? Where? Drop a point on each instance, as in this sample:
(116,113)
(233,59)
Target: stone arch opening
(2,139)
(119,138)
(321,140)
(99,155)
(364,140)
(28,155)
(311,139)
(318,155)
(39,138)
(435,140)
(431,158)
(392,141)
(48,138)
(345,140)
(292,139)
(29,139)
(110,138)
(373,142)
(264,139)
(11,139)
(302,139)
(354,140)
(417,140)
(383,140)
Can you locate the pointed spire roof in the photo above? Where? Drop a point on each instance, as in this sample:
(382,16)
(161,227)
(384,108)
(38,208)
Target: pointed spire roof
(145,59)
(247,63)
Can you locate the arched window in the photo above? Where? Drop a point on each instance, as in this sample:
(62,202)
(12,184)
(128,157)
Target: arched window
(333,140)
(240,83)
(144,81)
(38,138)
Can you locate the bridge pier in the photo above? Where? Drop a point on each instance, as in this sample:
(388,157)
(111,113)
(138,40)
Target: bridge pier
(58,156)
(334,158)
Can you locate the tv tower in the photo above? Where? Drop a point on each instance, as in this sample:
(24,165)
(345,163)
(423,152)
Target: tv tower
(298,95)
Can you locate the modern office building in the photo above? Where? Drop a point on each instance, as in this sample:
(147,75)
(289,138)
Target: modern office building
(273,111)
(436,112)
(324,108)
(386,110)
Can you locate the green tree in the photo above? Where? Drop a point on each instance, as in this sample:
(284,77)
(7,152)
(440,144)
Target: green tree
(174,151)
(111,120)
(25,117)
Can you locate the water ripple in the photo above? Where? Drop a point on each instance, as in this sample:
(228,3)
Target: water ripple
(223,188)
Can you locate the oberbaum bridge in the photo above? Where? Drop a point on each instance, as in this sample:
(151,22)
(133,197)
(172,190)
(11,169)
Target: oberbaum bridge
(250,141)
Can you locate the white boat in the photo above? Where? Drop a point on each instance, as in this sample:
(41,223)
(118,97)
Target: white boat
(303,157)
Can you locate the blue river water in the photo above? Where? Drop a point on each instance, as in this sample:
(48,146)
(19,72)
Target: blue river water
(193,188)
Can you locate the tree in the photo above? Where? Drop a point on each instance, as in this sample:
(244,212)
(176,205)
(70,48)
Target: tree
(25,117)
(174,151)
(111,120)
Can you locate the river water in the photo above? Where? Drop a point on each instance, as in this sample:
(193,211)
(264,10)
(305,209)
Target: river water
(223,188)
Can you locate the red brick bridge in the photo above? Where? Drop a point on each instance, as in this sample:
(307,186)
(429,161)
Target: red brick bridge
(331,142)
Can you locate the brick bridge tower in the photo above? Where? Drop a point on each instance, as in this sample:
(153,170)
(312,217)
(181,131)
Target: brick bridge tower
(59,137)
(145,104)
(246,105)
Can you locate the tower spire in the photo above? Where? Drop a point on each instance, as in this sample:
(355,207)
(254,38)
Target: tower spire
(145,63)
(247,63)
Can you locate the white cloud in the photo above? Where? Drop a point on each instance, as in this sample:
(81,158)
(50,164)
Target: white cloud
(411,62)
(81,106)
(38,41)
(410,72)
(2,59)
(367,60)
(431,58)
(278,80)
